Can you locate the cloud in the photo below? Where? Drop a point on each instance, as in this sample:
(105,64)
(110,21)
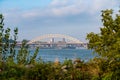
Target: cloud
(60,11)
(61,8)
(63,16)
(98,5)
(67,7)
(59,3)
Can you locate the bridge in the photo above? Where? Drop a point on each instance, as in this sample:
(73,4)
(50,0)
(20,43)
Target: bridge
(67,42)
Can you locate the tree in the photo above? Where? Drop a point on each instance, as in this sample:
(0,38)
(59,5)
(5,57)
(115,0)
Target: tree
(107,43)
(8,53)
(7,45)
(24,56)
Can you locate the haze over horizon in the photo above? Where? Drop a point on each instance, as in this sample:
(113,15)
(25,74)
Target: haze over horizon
(75,18)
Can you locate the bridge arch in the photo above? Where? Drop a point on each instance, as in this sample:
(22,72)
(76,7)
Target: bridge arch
(55,36)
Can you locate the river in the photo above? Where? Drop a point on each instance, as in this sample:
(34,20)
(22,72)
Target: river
(62,54)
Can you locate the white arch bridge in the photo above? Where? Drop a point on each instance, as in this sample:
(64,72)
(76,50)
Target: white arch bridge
(71,43)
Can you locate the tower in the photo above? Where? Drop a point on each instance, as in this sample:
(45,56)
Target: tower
(63,40)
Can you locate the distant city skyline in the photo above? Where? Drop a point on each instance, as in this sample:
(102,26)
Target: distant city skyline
(75,18)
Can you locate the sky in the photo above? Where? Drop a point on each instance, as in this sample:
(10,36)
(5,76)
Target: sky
(75,18)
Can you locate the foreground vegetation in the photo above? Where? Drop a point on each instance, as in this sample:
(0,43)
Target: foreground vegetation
(21,65)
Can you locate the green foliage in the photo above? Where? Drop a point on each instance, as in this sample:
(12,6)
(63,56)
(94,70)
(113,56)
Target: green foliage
(33,58)
(107,42)
(107,45)
(22,65)
(23,53)
(8,53)
(24,56)
(7,45)
(10,58)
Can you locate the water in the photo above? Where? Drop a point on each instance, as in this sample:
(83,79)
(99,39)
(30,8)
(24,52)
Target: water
(62,54)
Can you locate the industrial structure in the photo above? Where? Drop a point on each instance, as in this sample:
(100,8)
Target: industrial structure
(63,42)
